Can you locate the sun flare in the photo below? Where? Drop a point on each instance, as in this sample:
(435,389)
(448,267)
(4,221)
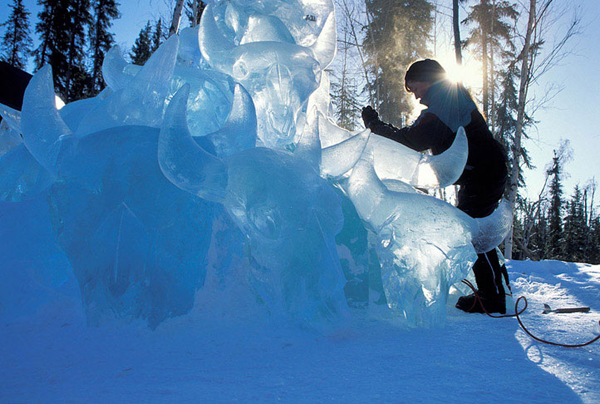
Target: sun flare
(468,73)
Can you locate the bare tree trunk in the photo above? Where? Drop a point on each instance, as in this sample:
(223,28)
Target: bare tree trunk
(592,199)
(485,62)
(176,17)
(526,251)
(198,7)
(195,8)
(492,117)
(456,28)
(343,106)
(523,87)
(375,100)
(351,22)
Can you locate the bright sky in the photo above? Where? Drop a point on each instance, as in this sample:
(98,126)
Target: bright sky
(571,115)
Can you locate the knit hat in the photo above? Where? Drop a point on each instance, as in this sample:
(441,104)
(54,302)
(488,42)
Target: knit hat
(427,70)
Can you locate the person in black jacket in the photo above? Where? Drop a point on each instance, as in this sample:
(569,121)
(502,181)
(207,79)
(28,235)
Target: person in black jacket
(482,183)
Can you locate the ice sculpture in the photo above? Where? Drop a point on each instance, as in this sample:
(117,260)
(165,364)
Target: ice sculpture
(288,212)
(259,51)
(396,162)
(22,177)
(424,244)
(104,206)
(219,155)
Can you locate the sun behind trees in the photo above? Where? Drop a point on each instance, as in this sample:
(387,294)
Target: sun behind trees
(510,44)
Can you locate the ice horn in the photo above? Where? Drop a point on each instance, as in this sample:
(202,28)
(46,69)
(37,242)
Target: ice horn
(212,42)
(182,160)
(446,167)
(339,158)
(365,189)
(324,47)
(155,77)
(394,161)
(113,68)
(239,130)
(493,229)
(309,145)
(43,129)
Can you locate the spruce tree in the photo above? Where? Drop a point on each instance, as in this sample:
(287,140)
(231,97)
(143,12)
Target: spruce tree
(62,27)
(553,245)
(344,89)
(77,80)
(157,37)
(490,36)
(52,27)
(505,120)
(593,252)
(101,40)
(539,236)
(141,50)
(346,107)
(16,42)
(397,35)
(575,229)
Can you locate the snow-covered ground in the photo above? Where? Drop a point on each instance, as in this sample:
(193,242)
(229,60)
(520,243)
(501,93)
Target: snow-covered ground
(213,355)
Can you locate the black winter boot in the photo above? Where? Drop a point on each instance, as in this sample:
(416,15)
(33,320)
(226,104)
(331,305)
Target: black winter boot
(488,275)
(471,304)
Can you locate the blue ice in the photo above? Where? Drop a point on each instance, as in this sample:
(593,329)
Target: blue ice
(219,156)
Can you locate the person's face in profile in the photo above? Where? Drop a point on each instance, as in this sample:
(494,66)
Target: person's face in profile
(418,88)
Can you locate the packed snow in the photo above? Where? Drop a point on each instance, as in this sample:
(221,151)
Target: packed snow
(217,354)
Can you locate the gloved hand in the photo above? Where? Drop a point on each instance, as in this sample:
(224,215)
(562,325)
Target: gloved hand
(369,115)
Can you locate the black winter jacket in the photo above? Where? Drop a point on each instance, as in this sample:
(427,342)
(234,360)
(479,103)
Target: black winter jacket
(484,177)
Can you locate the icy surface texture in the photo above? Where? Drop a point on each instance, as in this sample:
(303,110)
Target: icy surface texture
(21,176)
(34,270)
(288,212)
(126,256)
(277,51)
(423,244)
(395,161)
(216,165)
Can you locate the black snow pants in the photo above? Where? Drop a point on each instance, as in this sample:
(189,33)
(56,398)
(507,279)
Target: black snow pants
(478,197)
